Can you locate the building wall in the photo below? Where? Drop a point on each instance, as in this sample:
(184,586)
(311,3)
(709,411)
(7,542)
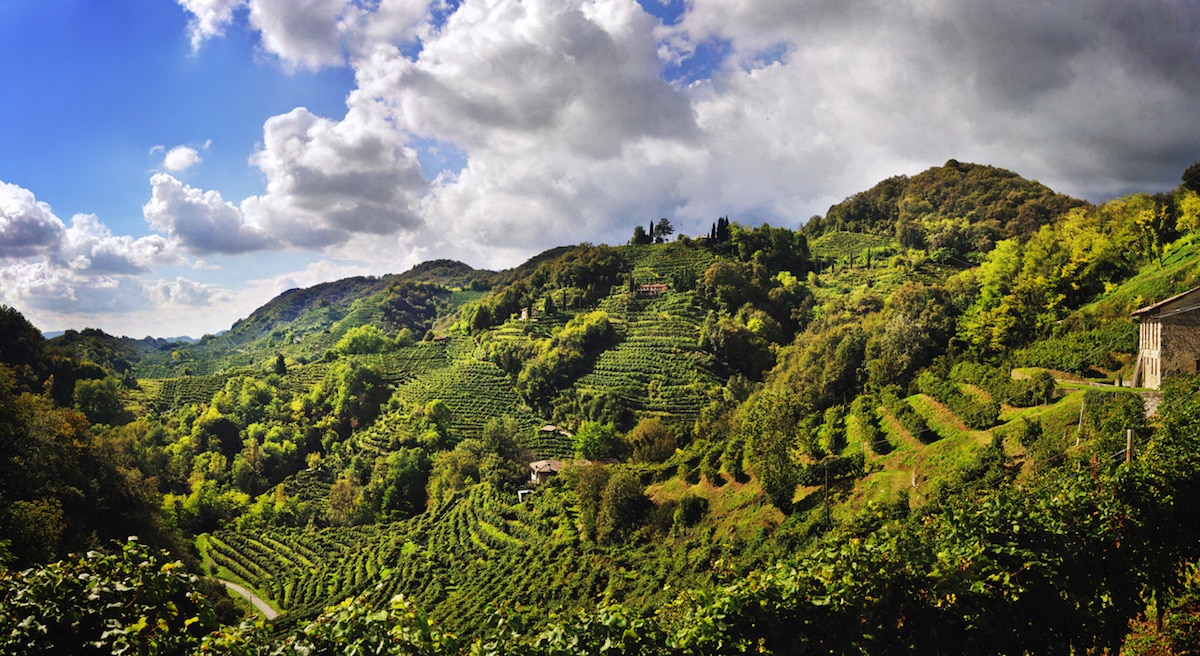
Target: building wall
(1179,350)
(1149,342)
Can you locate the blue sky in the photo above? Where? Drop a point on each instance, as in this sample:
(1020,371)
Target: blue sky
(166,167)
(101,84)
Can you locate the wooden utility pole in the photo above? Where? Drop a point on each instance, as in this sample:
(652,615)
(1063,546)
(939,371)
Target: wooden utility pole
(828,519)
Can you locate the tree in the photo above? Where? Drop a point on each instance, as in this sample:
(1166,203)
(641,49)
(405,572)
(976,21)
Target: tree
(663,229)
(1188,208)
(652,440)
(99,400)
(767,423)
(589,490)
(1191,178)
(455,470)
(362,339)
(280,364)
(640,236)
(404,485)
(622,507)
(500,436)
(343,500)
(596,441)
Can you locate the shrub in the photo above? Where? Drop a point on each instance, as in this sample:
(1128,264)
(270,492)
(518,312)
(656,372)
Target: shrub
(691,510)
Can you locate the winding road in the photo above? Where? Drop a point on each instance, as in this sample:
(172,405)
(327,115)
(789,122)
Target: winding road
(261,605)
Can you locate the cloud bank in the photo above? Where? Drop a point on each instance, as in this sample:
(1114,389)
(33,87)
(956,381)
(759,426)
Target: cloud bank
(573,120)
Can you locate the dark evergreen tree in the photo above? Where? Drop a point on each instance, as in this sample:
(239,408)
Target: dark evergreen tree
(1191,177)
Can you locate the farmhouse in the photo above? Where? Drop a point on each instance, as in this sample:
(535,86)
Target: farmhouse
(1168,339)
(540,471)
(652,289)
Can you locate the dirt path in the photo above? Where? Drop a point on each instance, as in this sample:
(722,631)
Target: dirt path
(261,605)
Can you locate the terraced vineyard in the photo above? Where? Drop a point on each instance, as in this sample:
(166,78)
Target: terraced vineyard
(302,570)
(173,393)
(306,569)
(457,561)
(842,245)
(475,392)
(658,366)
(664,261)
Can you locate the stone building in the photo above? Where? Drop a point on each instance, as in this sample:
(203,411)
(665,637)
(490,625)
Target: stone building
(1168,339)
(540,471)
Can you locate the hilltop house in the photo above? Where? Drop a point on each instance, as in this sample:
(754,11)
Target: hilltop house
(1168,339)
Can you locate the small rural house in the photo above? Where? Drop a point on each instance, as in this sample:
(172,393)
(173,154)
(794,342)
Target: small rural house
(1168,339)
(540,471)
(652,289)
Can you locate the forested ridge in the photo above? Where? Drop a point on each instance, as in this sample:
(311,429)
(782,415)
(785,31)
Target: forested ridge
(903,426)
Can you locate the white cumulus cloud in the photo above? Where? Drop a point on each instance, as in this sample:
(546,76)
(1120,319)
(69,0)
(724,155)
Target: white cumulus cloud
(180,292)
(201,220)
(328,180)
(181,158)
(89,245)
(305,33)
(27,225)
(209,18)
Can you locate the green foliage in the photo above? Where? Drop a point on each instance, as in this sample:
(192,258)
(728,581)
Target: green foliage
(596,441)
(100,400)
(1046,449)
(739,348)
(1033,389)
(766,423)
(1107,416)
(405,476)
(640,236)
(1082,352)
(354,627)
(590,484)
(623,507)
(691,510)
(1025,289)
(975,413)
(1191,178)
(964,208)
(565,356)
(864,412)
(127,601)
(733,458)
(22,346)
(919,321)
(292,470)
(832,433)
(831,470)
(908,418)
(652,440)
(773,249)
(64,488)
(363,339)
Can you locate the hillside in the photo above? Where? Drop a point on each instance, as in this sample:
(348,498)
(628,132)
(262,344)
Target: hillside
(960,207)
(894,430)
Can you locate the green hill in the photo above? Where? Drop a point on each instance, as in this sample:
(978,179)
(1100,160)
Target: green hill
(895,430)
(963,208)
